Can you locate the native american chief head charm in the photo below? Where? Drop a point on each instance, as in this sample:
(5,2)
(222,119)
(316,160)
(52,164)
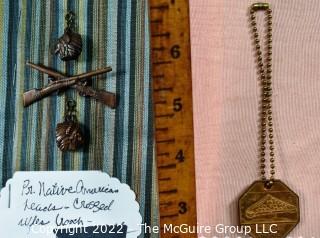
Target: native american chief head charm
(69,46)
(69,136)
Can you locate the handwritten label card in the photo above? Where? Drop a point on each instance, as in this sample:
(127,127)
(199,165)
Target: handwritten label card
(64,204)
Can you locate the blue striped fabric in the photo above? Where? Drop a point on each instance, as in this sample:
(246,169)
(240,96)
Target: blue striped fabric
(115,33)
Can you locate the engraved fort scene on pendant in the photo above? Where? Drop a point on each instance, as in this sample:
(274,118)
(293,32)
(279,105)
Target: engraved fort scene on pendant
(270,212)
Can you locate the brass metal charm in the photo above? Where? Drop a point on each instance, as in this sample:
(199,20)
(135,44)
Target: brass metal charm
(268,206)
(69,45)
(270,211)
(68,133)
(59,81)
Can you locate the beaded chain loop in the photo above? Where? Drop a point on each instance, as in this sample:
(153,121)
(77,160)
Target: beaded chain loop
(265,74)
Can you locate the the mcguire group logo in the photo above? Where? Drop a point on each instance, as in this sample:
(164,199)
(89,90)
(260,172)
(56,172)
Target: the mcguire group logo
(217,231)
(208,230)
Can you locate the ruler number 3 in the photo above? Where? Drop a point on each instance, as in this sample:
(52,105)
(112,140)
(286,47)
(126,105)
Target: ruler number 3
(183,207)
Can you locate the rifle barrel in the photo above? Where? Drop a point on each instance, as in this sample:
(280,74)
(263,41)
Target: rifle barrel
(63,78)
(46,70)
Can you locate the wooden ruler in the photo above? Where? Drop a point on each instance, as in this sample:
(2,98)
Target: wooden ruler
(172,95)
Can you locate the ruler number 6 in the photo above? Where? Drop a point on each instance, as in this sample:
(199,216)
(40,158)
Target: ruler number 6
(177,104)
(175,51)
(183,207)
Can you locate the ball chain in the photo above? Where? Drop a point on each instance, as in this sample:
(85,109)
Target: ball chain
(265,75)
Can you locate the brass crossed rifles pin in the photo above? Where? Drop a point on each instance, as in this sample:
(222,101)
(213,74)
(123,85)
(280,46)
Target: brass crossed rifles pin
(69,136)
(60,82)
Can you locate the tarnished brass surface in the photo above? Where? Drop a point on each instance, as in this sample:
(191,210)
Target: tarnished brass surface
(269,210)
(35,94)
(69,136)
(260,6)
(69,46)
(107,98)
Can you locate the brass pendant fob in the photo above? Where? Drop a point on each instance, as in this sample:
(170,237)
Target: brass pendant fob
(268,206)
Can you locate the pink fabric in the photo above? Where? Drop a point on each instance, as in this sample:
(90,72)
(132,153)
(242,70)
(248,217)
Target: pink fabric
(226,94)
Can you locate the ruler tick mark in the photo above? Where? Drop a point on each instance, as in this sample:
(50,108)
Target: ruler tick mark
(172,191)
(161,102)
(165,179)
(168,141)
(166,203)
(160,7)
(160,76)
(170,115)
(163,154)
(157,21)
(170,215)
(163,89)
(162,62)
(158,48)
(163,34)
(168,166)
(163,129)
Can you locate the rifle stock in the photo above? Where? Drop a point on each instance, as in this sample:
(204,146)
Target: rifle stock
(36,94)
(31,96)
(107,98)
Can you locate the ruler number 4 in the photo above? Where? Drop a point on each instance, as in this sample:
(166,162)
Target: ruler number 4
(180,156)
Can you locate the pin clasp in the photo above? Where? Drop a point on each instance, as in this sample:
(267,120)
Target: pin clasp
(260,6)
